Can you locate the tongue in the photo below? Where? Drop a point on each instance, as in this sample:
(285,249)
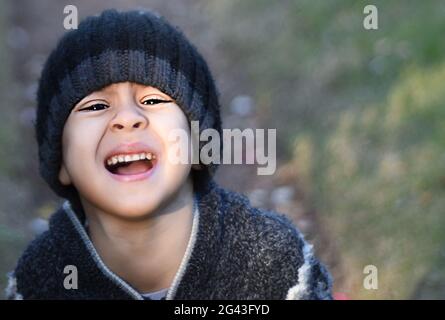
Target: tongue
(134,167)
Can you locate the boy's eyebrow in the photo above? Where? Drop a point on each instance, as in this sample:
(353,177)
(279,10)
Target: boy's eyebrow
(98,95)
(151,90)
(160,94)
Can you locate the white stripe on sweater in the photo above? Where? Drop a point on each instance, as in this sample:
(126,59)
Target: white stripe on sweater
(299,291)
(11,289)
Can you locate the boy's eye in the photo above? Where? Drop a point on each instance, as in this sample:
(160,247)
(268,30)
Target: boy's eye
(154,101)
(95,107)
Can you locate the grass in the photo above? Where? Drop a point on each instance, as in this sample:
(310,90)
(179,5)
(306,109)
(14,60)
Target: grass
(360,114)
(384,184)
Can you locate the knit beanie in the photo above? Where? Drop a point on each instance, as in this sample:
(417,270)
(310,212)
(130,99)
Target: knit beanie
(135,46)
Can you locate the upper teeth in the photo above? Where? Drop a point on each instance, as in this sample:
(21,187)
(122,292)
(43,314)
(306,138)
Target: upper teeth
(130,157)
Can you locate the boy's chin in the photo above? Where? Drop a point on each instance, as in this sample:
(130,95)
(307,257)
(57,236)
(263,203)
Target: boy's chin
(134,211)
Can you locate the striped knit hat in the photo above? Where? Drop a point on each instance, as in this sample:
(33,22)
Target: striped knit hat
(135,46)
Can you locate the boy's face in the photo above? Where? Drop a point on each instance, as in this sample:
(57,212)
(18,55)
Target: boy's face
(124,119)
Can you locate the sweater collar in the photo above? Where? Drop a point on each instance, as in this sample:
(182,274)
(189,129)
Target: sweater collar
(197,264)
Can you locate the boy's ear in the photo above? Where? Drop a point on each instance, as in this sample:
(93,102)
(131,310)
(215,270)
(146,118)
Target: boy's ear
(64,177)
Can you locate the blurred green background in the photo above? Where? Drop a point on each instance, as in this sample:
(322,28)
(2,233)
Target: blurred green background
(360,119)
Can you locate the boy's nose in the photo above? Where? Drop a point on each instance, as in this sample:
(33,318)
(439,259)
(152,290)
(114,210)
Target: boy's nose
(128,119)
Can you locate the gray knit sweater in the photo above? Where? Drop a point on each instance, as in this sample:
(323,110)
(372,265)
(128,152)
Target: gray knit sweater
(235,251)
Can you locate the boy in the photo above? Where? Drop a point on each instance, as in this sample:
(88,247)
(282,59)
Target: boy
(135,224)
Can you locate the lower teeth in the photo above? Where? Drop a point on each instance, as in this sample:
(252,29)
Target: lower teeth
(119,167)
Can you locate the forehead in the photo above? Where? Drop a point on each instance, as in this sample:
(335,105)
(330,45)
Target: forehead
(123,87)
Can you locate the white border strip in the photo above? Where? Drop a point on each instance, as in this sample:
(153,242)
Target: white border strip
(11,289)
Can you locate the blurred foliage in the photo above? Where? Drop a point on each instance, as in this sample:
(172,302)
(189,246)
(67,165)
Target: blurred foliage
(361,115)
(382,186)
(309,59)
(11,240)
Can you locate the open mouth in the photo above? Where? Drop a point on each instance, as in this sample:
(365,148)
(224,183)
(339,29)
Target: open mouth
(130,164)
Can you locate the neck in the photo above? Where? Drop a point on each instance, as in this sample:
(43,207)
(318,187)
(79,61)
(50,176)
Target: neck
(148,252)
